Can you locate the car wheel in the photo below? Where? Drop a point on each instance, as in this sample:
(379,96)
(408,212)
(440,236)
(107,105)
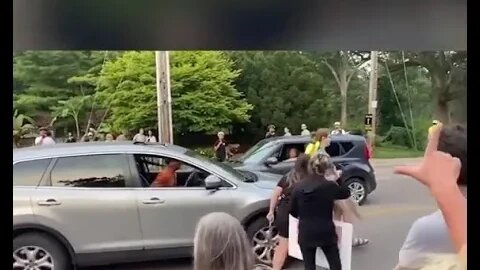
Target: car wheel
(263,238)
(39,251)
(358,190)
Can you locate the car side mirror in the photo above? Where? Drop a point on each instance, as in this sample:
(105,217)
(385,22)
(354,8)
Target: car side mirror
(213,182)
(271,161)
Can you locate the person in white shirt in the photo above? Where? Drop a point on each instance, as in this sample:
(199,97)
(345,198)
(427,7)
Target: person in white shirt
(45,138)
(151,138)
(338,129)
(429,235)
(140,136)
(286,132)
(305,131)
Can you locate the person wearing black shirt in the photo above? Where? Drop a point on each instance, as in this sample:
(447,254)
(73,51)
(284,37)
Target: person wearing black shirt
(312,202)
(270,132)
(280,206)
(220,147)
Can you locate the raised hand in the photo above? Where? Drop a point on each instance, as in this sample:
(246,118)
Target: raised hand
(439,171)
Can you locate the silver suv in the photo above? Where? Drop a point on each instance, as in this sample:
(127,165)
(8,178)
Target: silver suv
(92,204)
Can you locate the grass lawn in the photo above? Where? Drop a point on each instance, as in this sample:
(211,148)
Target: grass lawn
(395,152)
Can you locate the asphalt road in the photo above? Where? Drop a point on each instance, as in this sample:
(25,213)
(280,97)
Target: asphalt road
(388,214)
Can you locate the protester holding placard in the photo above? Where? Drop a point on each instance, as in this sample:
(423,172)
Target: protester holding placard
(312,204)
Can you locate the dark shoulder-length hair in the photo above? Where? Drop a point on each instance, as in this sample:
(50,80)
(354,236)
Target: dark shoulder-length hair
(300,170)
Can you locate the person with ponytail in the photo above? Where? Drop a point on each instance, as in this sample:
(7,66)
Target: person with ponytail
(319,141)
(312,202)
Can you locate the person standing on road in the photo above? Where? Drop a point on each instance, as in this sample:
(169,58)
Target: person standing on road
(44,138)
(140,136)
(270,131)
(220,147)
(337,129)
(151,138)
(305,131)
(319,140)
(429,234)
(70,138)
(312,202)
(280,206)
(286,132)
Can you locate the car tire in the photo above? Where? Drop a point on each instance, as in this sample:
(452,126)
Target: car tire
(358,189)
(46,246)
(256,229)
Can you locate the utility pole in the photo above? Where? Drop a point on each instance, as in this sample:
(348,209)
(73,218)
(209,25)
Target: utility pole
(372,95)
(164,98)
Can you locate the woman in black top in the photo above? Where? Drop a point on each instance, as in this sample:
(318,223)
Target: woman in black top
(280,202)
(312,202)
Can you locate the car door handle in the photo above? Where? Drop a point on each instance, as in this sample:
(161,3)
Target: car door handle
(49,202)
(153,201)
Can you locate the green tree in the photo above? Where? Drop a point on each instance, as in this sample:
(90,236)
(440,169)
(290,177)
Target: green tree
(42,78)
(73,108)
(204,97)
(22,125)
(287,88)
(447,71)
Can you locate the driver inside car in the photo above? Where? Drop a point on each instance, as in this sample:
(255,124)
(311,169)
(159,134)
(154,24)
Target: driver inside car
(168,176)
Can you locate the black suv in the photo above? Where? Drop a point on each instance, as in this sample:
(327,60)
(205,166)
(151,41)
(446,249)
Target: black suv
(350,154)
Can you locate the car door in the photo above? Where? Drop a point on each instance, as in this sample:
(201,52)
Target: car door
(88,199)
(168,215)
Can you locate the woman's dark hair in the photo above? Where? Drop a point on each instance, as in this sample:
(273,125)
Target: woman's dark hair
(299,171)
(453,140)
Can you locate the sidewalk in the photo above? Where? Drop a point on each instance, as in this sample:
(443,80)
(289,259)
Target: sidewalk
(393,162)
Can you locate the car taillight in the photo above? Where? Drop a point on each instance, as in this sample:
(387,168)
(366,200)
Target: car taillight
(368,152)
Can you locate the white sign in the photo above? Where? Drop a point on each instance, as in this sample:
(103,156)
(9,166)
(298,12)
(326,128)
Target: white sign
(345,237)
(374,104)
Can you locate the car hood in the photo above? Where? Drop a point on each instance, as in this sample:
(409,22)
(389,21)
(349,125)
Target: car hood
(266,180)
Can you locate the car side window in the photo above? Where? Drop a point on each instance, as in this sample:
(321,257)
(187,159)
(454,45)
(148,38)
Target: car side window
(29,173)
(106,171)
(297,147)
(333,149)
(347,146)
(151,166)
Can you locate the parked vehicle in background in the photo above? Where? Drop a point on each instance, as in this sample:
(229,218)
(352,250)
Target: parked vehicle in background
(91,204)
(350,154)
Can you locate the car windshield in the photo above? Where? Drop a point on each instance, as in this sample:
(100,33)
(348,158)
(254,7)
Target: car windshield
(225,167)
(257,152)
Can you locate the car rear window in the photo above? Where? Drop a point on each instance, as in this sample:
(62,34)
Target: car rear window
(29,173)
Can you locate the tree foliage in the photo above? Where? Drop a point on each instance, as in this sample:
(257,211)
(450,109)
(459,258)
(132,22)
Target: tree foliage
(204,97)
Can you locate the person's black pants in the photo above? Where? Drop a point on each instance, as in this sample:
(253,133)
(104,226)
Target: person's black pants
(331,253)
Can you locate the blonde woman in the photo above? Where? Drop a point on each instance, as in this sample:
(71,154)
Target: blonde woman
(221,244)
(345,210)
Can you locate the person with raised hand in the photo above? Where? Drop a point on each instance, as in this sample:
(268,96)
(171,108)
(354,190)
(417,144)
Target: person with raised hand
(442,172)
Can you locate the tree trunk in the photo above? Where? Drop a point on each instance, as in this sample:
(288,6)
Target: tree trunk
(77,127)
(343,94)
(440,90)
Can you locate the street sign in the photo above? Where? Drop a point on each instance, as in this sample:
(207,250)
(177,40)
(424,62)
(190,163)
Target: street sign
(368,121)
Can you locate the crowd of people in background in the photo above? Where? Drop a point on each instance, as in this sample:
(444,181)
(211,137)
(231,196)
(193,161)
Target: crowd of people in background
(45,137)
